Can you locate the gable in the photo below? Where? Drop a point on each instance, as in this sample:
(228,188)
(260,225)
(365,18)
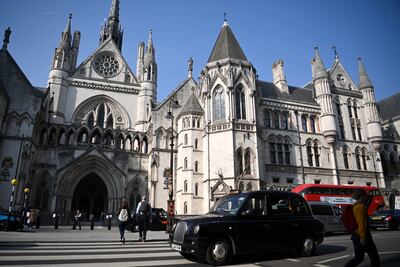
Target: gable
(106,63)
(341,79)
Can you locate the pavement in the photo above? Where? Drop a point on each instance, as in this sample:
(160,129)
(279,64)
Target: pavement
(66,234)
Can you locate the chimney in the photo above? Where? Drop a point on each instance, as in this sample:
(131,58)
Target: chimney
(279,76)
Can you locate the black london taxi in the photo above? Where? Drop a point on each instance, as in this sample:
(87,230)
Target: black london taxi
(249,222)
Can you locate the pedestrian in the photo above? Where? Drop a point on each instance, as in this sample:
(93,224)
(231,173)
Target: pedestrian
(123,219)
(143,213)
(77,220)
(361,237)
(32,218)
(101,219)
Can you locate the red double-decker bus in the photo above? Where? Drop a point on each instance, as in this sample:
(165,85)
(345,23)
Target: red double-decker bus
(339,194)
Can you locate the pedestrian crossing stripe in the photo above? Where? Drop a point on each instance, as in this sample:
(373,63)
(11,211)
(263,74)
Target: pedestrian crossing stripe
(87,254)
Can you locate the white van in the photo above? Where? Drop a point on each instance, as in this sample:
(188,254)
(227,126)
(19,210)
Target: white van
(329,215)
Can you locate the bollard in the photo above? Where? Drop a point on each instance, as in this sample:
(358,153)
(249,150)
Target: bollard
(109,217)
(92,223)
(55,216)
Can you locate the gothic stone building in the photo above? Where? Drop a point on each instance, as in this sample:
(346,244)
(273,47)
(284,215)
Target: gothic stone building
(96,134)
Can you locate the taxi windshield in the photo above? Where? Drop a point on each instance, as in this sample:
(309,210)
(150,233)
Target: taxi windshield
(228,205)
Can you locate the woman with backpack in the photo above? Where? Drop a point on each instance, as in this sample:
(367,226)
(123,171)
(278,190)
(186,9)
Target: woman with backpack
(361,236)
(123,217)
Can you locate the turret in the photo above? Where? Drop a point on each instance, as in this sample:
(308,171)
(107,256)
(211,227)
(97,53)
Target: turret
(140,58)
(64,62)
(148,83)
(150,66)
(324,98)
(371,110)
(111,28)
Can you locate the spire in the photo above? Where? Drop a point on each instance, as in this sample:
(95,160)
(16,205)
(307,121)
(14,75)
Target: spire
(226,45)
(111,27)
(335,52)
(65,40)
(364,81)
(319,70)
(6,39)
(114,11)
(150,48)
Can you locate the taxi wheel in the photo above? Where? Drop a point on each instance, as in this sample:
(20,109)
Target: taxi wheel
(218,252)
(307,246)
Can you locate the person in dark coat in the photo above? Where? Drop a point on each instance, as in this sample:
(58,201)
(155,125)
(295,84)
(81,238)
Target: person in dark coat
(143,213)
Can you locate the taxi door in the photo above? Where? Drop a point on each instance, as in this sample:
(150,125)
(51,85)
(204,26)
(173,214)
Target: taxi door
(252,224)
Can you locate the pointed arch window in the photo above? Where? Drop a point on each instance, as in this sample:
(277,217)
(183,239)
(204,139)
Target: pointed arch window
(239,161)
(284,120)
(349,109)
(358,158)
(359,132)
(110,121)
(185,163)
(267,118)
(364,158)
(196,143)
(90,120)
(185,186)
(240,103)
(100,115)
(185,139)
(136,145)
(312,124)
(346,157)
(355,110)
(218,104)
(247,159)
(196,166)
(185,208)
(286,146)
(276,120)
(304,123)
(316,154)
(196,189)
(144,146)
(309,153)
(279,146)
(272,151)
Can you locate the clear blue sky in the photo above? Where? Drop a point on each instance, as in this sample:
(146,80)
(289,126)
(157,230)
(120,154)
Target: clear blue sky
(266,30)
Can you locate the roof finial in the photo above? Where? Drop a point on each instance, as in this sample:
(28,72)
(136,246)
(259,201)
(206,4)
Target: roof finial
(190,67)
(225,20)
(335,52)
(6,39)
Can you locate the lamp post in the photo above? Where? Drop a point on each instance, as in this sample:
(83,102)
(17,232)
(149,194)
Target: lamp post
(26,193)
(371,154)
(13,182)
(171,203)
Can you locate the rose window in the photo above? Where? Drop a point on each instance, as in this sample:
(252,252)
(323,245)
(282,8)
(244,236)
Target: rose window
(106,64)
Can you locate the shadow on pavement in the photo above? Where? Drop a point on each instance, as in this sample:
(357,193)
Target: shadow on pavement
(328,249)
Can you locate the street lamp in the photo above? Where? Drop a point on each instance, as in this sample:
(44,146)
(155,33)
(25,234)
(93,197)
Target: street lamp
(24,212)
(170,203)
(371,154)
(13,182)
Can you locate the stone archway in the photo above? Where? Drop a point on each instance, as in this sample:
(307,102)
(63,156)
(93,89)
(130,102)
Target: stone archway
(92,169)
(90,196)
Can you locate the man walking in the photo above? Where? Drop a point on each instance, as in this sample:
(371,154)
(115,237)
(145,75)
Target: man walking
(77,220)
(143,213)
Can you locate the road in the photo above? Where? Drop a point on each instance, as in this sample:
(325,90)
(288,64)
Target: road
(85,248)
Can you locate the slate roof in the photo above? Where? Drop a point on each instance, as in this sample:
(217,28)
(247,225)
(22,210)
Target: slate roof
(191,106)
(389,107)
(298,94)
(226,46)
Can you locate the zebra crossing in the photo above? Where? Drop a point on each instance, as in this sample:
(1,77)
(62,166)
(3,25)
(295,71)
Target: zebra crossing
(152,253)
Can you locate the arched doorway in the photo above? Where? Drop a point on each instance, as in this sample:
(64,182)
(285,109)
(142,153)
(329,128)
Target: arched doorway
(90,196)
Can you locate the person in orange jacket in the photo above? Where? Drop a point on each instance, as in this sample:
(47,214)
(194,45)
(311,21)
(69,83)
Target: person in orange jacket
(362,238)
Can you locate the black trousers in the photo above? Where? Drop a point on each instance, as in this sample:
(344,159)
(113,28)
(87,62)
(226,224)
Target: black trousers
(143,226)
(359,251)
(76,222)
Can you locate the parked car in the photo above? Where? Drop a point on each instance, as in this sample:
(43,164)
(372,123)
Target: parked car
(386,219)
(158,220)
(14,223)
(329,214)
(247,223)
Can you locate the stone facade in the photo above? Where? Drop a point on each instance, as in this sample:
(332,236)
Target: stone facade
(96,134)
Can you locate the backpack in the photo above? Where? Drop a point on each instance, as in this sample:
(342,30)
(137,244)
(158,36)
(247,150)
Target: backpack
(144,208)
(348,219)
(123,215)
